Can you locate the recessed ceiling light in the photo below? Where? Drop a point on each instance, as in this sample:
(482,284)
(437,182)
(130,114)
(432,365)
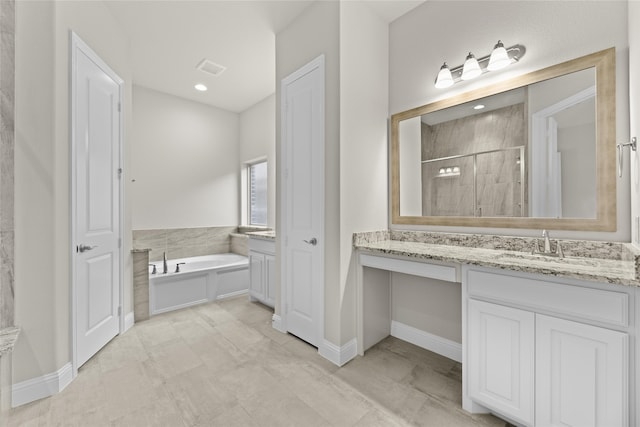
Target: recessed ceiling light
(478,107)
(200,87)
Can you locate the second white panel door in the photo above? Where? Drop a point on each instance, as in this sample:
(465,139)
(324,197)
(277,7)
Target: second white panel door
(303,150)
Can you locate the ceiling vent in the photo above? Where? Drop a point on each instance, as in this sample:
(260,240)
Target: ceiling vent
(210,67)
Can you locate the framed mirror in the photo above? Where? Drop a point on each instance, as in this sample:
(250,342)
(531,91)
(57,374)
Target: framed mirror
(536,151)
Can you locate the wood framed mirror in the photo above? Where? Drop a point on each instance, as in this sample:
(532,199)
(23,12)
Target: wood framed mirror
(539,153)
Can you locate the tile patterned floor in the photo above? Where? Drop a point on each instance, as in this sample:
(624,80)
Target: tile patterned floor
(221,364)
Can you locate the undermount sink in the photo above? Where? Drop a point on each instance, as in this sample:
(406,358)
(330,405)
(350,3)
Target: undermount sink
(540,257)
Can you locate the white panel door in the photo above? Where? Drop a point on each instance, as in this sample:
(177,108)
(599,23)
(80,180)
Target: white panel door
(96,163)
(581,374)
(501,359)
(303,199)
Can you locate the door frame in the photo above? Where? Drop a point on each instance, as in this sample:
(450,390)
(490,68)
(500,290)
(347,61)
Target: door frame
(541,150)
(317,63)
(76,43)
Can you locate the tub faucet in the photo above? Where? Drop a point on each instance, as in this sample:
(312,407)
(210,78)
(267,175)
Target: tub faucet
(165,269)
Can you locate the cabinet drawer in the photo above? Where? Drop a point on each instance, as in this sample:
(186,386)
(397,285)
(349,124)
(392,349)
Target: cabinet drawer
(448,273)
(261,245)
(539,295)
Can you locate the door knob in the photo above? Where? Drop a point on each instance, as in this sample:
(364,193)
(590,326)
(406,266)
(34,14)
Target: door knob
(312,242)
(83,248)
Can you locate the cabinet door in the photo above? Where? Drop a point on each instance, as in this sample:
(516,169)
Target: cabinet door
(582,374)
(500,357)
(270,279)
(256,279)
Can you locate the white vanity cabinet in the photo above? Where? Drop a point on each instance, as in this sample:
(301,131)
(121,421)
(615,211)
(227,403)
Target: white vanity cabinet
(544,353)
(262,269)
(501,359)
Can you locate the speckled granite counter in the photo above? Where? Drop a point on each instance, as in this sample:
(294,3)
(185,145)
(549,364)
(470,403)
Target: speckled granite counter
(603,262)
(264,235)
(8,338)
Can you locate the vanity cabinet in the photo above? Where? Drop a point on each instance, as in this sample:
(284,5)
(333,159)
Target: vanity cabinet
(565,362)
(581,374)
(501,356)
(262,269)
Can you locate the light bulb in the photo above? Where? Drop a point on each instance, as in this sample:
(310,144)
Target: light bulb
(471,68)
(499,57)
(444,79)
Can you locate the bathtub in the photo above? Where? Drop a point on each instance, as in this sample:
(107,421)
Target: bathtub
(200,279)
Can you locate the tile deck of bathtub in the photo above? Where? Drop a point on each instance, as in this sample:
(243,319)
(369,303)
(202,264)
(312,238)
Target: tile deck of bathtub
(222,364)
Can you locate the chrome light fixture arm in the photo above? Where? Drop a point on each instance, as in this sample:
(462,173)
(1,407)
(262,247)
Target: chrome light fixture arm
(515,53)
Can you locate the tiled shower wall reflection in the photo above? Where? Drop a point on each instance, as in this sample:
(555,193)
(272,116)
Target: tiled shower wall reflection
(498,181)
(184,242)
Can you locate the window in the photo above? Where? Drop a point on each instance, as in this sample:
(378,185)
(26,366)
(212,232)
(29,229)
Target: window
(257,178)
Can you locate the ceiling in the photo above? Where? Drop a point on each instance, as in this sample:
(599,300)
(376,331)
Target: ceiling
(170,38)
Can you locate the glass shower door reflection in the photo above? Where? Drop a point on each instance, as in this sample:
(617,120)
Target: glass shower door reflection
(499,189)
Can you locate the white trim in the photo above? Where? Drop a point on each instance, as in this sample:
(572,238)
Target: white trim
(434,343)
(128,321)
(37,388)
(338,355)
(75,44)
(276,323)
(232,294)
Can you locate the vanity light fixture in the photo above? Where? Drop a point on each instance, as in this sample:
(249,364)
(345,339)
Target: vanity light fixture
(200,87)
(478,107)
(499,58)
(444,78)
(471,68)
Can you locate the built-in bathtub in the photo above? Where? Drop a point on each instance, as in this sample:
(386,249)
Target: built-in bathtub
(200,279)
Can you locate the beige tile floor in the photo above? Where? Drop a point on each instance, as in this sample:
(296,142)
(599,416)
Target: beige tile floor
(221,364)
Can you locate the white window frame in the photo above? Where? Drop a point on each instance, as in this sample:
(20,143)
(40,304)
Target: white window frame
(246,192)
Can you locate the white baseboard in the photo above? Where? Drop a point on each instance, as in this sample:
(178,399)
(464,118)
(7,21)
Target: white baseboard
(44,386)
(232,294)
(128,321)
(339,355)
(434,343)
(276,323)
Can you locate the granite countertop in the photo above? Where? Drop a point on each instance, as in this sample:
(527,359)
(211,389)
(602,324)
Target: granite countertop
(8,338)
(620,271)
(263,235)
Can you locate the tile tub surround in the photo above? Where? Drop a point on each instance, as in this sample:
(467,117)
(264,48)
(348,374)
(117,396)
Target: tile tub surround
(7,140)
(240,244)
(8,338)
(604,262)
(184,242)
(140,284)
(7,145)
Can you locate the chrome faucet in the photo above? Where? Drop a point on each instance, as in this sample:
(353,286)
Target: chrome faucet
(547,243)
(547,247)
(165,269)
(178,266)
